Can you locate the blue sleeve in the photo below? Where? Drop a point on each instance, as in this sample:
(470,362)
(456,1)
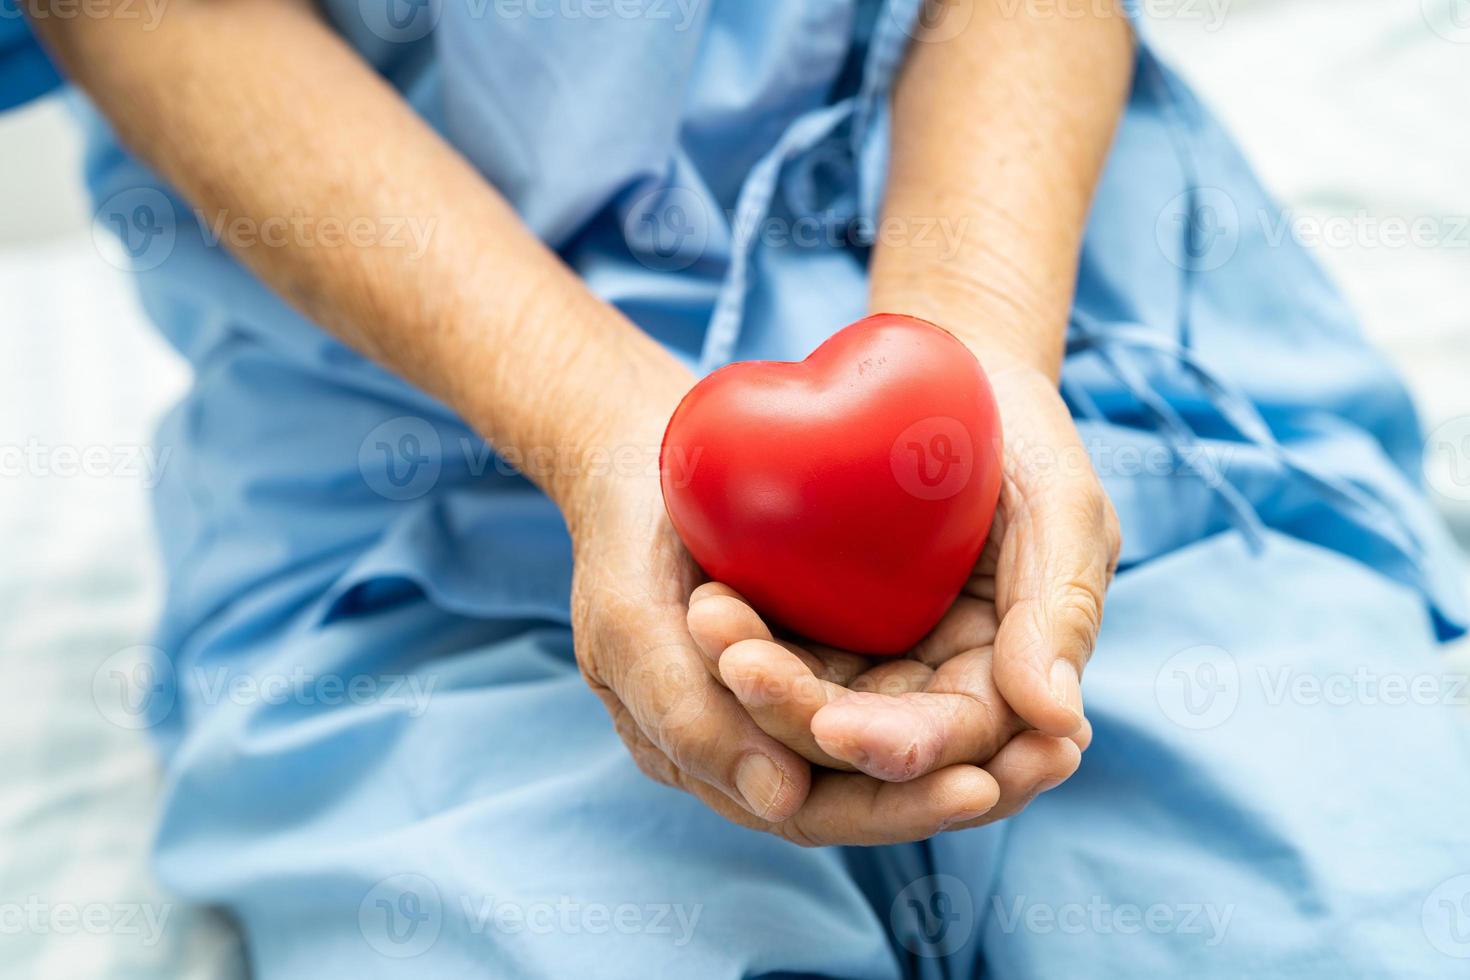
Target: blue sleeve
(25,71)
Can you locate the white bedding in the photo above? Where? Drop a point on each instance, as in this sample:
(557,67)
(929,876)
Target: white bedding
(80,373)
(1347,106)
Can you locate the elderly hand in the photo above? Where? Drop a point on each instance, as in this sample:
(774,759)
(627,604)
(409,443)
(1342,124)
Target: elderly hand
(997,682)
(631,585)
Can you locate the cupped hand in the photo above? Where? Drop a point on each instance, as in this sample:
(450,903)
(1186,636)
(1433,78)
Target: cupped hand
(630,589)
(997,682)
(894,719)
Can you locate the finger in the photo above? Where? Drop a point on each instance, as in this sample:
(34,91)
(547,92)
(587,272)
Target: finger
(982,578)
(708,589)
(853,809)
(959,718)
(1061,543)
(893,677)
(1029,765)
(841,667)
(780,693)
(718,618)
(1082,737)
(969,624)
(849,809)
(705,732)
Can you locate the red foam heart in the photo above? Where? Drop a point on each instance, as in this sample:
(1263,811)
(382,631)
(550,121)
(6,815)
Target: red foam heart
(847,496)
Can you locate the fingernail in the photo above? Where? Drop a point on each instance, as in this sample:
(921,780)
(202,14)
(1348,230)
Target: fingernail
(759,780)
(1047,785)
(1066,686)
(848,752)
(964,817)
(1083,735)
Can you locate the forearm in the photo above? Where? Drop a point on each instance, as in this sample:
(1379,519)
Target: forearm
(254,109)
(1000,133)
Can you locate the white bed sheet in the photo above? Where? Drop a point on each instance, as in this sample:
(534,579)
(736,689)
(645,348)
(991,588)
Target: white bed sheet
(82,379)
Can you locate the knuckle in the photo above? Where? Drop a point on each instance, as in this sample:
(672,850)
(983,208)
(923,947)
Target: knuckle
(1106,519)
(669,690)
(792,830)
(702,754)
(587,667)
(1079,603)
(656,768)
(995,721)
(683,752)
(625,725)
(651,762)
(1113,529)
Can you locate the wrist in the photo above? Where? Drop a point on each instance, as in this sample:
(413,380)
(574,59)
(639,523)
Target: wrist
(1000,320)
(580,408)
(611,472)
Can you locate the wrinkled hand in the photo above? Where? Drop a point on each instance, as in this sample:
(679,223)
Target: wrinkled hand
(998,680)
(630,590)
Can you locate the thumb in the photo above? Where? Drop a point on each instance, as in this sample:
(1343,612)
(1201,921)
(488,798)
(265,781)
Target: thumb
(1059,548)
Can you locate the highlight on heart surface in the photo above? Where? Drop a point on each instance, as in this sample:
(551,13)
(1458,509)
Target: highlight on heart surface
(846,496)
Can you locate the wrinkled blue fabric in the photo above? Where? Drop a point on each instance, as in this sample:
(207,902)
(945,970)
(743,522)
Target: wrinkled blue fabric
(25,71)
(321,516)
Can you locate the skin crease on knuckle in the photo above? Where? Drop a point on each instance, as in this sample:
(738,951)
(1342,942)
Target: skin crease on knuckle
(1051,762)
(792,830)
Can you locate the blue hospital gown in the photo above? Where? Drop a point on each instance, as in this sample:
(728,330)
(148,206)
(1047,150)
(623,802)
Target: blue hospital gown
(1278,783)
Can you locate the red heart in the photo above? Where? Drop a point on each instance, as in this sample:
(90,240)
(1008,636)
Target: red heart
(846,496)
